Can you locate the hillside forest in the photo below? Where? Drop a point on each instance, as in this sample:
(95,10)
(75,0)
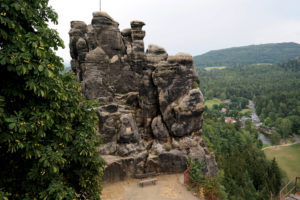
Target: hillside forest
(274,89)
(247,55)
(245,172)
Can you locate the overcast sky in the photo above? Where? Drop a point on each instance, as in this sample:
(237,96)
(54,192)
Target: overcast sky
(192,26)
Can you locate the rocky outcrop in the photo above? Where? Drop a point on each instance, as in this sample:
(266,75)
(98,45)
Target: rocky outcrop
(151,107)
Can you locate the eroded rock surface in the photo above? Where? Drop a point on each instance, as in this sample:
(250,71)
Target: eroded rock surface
(151,107)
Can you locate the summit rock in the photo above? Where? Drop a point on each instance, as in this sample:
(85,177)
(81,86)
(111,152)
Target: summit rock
(151,108)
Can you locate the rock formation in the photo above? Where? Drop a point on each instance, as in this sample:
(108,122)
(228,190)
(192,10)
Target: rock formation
(151,108)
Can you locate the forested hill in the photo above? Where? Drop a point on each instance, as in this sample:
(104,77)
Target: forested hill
(273,88)
(253,54)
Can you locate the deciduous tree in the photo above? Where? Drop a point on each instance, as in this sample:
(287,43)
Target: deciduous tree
(47,130)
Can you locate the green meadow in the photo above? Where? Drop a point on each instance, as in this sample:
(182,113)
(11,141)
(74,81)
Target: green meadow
(210,103)
(288,158)
(212,68)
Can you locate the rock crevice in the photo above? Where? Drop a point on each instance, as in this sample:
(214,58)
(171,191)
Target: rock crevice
(151,108)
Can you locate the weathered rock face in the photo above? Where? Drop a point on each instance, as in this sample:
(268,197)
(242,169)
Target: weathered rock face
(151,112)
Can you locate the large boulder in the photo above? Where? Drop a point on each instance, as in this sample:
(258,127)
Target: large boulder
(155,54)
(173,161)
(181,101)
(108,35)
(159,129)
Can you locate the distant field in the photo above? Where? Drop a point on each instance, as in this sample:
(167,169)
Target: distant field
(211,68)
(287,157)
(210,103)
(262,64)
(244,111)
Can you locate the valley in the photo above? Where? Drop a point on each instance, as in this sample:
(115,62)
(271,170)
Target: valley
(272,115)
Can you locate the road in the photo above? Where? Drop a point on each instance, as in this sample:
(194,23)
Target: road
(255,120)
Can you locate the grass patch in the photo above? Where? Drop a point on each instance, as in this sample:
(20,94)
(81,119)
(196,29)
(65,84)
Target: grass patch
(212,68)
(210,103)
(244,111)
(265,145)
(262,64)
(287,157)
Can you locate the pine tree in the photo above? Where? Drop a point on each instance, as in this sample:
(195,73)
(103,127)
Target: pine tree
(47,130)
(275,177)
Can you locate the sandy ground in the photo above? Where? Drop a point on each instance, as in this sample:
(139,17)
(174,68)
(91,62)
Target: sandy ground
(168,187)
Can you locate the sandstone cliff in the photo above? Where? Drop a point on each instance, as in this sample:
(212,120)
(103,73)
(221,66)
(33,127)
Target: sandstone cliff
(151,112)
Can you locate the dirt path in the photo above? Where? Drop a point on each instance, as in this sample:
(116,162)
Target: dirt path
(282,145)
(168,187)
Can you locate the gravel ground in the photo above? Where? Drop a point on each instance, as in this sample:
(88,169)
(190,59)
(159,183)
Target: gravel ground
(168,187)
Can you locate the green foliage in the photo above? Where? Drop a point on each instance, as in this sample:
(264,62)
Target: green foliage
(275,90)
(4,195)
(276,176)
(211,184)
(291,65)
(295,120)
(247,172)
(195,85)
(284,128)
(196,171)
(275,138)
(246,112)
(48,131)
(247,55)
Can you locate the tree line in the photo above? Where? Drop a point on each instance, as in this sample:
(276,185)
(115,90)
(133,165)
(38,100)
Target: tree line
(246,55)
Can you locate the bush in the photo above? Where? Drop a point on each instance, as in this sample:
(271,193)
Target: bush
(211,184)
(195,85)
(275,138)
